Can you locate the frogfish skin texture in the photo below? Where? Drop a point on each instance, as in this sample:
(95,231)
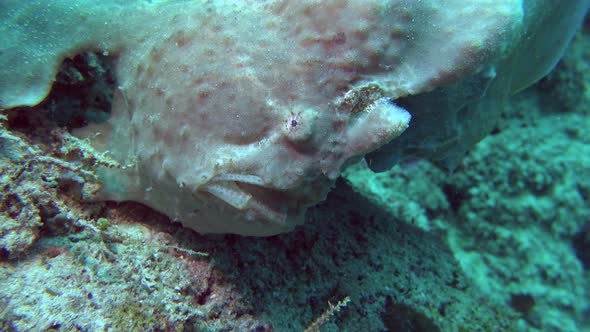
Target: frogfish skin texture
(239,120)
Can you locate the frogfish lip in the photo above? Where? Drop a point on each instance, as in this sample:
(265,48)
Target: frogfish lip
(258,200)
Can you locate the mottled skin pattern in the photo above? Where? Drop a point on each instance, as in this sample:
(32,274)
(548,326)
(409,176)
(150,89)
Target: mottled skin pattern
(235,118)
(234,130)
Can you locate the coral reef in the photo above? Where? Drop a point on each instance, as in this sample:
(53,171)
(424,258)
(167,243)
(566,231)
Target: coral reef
(520,212)
(38,180)
(499,244)
(515,211)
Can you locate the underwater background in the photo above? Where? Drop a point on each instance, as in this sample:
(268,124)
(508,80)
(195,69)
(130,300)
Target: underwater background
(501,243)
